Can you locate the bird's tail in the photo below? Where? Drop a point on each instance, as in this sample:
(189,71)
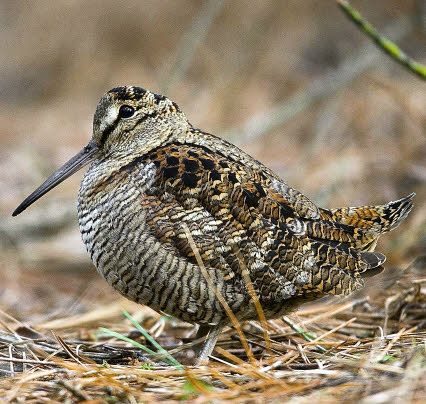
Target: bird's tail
(372,220)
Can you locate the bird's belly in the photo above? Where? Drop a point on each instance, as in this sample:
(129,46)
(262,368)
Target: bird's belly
(138,265)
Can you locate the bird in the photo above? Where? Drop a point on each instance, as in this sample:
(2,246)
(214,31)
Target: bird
(180,220)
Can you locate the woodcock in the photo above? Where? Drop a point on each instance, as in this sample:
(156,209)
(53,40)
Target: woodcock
(172,217)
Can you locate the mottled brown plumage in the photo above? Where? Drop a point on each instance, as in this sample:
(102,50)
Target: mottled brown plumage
(154,177)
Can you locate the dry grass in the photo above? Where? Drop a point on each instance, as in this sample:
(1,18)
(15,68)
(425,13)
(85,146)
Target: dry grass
(370,349)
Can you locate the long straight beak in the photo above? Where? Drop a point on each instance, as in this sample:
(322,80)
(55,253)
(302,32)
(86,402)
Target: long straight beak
(82,158)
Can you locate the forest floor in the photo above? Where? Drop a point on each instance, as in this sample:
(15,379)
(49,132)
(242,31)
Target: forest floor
(370,348)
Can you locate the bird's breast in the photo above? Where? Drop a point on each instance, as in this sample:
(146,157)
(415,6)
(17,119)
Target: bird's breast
(113,224)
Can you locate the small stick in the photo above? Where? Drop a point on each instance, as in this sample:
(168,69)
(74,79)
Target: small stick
(255,298)
(29,361)
(67,349)
(390,345)
(381,41)
(12,368)
(219,296)
(76,392)
(295,327)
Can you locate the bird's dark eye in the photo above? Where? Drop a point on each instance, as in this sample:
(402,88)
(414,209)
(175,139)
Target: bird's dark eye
(126,111)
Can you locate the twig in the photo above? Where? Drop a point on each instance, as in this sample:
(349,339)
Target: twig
(390,345)
(12,367)
(255,298)
(29,361)
(295,327)
(68,350)
(381,41)
(359,364)
(219,296)
(76,392)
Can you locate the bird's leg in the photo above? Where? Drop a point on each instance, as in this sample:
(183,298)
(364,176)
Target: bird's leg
(212,333)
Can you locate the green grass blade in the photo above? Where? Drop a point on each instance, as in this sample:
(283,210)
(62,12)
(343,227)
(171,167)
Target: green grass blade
(117,335)
(149,338)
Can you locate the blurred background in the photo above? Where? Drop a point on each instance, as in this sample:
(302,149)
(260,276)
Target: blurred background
(294,83)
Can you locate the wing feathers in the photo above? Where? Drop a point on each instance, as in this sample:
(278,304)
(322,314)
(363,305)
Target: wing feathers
(241,218)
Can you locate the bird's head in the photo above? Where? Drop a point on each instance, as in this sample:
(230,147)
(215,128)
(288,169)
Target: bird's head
(128,121)
(129,118)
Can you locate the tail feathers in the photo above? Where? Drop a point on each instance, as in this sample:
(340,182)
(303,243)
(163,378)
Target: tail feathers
(395,212)
(344,240)
(340,269)
(372,220)
(346,257)
(372,272)
(373,259)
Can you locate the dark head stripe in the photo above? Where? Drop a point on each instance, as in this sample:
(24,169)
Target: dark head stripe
(108,130)
(158,97)
(128,93)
